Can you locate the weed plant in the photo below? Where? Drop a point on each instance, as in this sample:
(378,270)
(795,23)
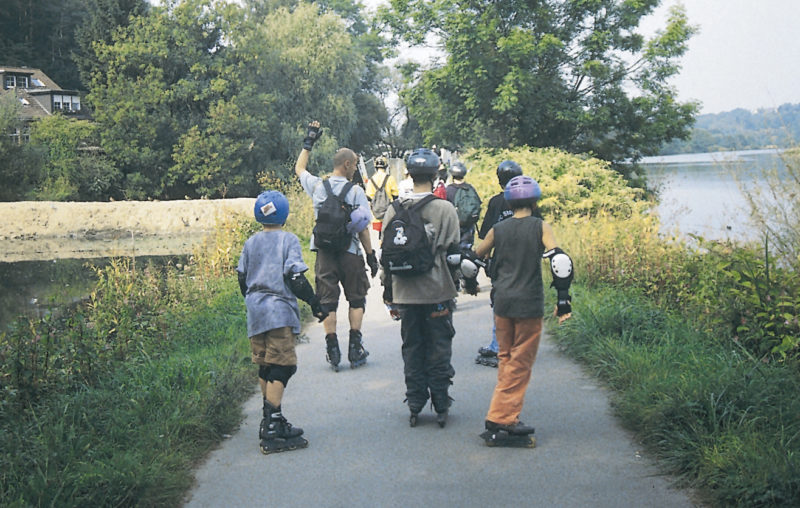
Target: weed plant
(718,419)
(114,402)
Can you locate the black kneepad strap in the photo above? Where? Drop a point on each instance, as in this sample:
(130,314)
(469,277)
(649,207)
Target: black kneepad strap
(281,373)
(358,304)
(329,307)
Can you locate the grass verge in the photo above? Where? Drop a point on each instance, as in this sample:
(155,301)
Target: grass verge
(715,418)
(133,436)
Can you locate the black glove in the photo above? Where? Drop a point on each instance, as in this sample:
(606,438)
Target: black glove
(388,297)
(312,135)
(564,305)
(372,261)
(471,286)
(317,310)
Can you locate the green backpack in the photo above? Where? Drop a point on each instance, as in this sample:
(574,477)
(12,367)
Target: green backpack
(468,205)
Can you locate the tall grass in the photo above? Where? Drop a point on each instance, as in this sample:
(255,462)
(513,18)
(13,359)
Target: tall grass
(717,419)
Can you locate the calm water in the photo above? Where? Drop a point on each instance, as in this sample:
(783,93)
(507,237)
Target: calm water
(702,193)
(36,287)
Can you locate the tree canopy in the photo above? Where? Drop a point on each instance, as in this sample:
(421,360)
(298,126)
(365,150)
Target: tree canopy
(573,74)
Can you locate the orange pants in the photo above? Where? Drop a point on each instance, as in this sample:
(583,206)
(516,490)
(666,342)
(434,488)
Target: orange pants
(518,342)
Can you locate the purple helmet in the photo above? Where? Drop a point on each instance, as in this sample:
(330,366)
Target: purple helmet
(271,207)
(522,188)
(359,220)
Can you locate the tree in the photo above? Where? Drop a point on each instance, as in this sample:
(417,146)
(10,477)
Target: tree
(197,97)
(573,74)
(154,82)
(73,167)
(19,162)
(102,18)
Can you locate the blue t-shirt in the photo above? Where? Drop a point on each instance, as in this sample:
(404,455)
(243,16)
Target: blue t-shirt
(314,188)
(266,257)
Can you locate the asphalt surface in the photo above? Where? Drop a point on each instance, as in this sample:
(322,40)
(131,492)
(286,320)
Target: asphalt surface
(362,451)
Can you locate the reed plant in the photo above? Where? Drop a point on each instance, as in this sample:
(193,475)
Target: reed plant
(717,420)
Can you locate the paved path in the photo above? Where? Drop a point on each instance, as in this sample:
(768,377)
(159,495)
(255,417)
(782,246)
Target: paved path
(363,453)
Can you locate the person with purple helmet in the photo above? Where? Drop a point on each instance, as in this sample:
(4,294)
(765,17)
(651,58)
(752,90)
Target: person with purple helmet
(271,276)
(496,211)
(518,243)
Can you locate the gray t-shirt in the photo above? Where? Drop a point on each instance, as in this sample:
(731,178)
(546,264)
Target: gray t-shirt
(266,257)
(517,286)
(435,286)
(314,188)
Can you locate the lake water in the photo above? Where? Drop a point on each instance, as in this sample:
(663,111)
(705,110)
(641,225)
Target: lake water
(33,283)
(702,193)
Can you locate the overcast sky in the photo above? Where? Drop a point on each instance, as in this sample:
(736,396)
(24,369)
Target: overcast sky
(746,54)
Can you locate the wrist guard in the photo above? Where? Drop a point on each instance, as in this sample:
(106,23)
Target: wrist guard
(312,135)
(299,286)
(242,283)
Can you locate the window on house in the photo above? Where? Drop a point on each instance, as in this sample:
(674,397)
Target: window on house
(57,104)
(14,81)
(76,103)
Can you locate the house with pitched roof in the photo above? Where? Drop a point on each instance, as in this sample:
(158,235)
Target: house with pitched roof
(39,96)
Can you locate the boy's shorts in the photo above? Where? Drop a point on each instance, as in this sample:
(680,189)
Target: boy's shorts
(347,268)
(274,347)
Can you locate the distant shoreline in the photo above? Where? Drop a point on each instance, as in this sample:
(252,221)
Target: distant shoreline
(36,230)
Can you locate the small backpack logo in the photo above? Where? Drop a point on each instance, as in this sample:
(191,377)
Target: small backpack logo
(400,237)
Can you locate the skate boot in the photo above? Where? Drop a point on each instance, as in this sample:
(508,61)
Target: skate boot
(277,434)
(441,404)
(413,418)
(333,355)
(517,435)
(486,357)
(356,353)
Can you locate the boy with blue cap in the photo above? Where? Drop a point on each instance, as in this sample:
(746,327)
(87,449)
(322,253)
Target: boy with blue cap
(271,277)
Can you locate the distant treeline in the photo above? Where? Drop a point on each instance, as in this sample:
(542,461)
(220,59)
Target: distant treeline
(741,129)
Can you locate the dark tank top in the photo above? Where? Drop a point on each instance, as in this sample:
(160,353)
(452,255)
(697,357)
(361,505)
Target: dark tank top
(517,285)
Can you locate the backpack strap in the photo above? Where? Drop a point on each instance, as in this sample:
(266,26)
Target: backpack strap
(383,185)
(342,194)
(424,201)
(345,190)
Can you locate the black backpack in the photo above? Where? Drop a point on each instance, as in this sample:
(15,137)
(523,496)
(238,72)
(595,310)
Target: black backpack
(330,231)
(405,248)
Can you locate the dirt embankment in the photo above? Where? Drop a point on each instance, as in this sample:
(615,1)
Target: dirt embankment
(49,229)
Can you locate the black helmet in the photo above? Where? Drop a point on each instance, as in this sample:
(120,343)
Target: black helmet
(422,162)
(458,170)
(506,171)
(380,162)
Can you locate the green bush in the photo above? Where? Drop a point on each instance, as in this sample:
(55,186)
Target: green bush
(572,186)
